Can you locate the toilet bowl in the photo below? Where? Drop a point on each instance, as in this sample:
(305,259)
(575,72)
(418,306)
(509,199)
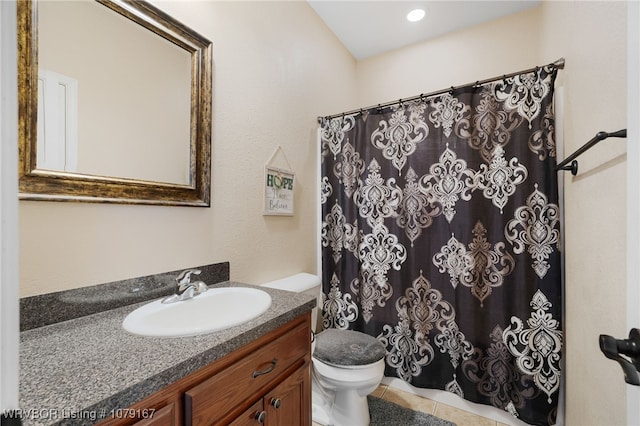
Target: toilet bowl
(346,365)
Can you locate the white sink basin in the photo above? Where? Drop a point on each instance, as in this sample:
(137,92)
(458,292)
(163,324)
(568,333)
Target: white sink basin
(213,310)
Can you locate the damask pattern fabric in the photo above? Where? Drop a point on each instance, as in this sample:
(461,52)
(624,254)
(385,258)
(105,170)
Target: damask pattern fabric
(440,237)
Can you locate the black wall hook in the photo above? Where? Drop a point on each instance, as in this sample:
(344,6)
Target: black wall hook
(573,167)
(615,349)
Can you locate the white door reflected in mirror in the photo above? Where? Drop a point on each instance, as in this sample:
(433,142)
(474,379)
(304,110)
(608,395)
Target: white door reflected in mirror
(57,147)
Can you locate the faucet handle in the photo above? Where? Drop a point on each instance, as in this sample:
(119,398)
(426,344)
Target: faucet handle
(185,276)
(186,289)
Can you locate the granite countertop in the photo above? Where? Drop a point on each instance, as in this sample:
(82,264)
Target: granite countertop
(78,371)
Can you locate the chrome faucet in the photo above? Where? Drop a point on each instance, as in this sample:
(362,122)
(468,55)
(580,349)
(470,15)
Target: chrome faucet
(186,289)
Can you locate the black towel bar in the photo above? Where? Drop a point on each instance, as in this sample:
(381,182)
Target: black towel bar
(570,163)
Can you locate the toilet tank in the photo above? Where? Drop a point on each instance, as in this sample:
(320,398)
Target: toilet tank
(302,283)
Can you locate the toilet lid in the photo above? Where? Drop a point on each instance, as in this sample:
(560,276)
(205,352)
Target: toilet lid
(347,347)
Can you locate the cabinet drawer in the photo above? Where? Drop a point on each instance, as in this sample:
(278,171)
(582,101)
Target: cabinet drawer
(163,417)
(241,383)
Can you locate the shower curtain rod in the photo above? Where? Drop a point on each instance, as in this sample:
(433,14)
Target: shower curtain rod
(600,136)
(559,64)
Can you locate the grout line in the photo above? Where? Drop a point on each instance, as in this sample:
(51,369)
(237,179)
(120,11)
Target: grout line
(383,389)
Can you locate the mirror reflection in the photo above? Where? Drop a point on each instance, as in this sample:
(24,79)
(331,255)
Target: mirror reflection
(111,96)
(115,104)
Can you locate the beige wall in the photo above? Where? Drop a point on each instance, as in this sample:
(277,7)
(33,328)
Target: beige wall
(496,48)
(272,77)
(591,36)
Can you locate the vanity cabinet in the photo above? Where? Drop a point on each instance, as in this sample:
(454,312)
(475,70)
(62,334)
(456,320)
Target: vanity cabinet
(268,382)
(280,407)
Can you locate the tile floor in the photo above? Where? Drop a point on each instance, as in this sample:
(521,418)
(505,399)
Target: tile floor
(438,409)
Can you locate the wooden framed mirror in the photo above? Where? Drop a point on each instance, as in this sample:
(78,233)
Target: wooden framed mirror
(114,104)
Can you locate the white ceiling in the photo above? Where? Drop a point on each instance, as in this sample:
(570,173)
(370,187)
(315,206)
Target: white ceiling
(371,27)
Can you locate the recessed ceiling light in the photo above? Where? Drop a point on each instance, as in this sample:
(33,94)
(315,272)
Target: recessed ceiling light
(415,15)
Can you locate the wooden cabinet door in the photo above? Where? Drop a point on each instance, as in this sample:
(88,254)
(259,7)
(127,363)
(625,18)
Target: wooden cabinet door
(213,401)
(253,416)
(286,404)
(169,412)
(163,417)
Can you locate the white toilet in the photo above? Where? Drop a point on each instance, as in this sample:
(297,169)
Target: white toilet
(347,365)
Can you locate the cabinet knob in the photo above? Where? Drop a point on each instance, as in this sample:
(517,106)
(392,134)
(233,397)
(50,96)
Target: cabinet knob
(260,416)
(275,402)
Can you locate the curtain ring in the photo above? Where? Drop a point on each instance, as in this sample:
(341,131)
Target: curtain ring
(451,91)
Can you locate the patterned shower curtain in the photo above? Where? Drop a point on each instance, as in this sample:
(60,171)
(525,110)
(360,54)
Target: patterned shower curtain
(440,237)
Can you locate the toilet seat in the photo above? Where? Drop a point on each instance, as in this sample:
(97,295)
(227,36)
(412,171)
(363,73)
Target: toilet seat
(347,348)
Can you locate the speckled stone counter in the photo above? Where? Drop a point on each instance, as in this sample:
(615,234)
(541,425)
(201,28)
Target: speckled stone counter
(51,308)
(78,371)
